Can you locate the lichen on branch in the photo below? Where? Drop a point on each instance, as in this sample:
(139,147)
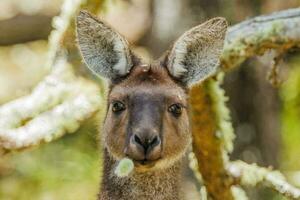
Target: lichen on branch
(56,106)
(212,136)
(279,31)
(251,175)
(222,114)
(211,127)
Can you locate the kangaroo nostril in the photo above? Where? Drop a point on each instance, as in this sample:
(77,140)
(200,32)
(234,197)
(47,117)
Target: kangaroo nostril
(138,140)
(144,146)
(155,141)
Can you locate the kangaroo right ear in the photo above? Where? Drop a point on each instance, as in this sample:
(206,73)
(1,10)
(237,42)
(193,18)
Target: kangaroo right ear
(195,55)
(104,51)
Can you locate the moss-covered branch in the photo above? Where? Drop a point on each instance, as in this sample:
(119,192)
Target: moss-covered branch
(212,137)
(211,127)
(251,175)
(56,106)
(62,100)
(279,31)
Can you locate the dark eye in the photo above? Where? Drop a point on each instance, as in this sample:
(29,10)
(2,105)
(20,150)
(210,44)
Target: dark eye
(118,106)
(175,109)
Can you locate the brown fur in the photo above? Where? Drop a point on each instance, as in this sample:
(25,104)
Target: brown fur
(159,185)
(161,181)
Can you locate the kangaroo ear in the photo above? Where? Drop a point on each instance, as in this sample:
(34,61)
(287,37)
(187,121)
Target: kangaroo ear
(195,55)
(105,52)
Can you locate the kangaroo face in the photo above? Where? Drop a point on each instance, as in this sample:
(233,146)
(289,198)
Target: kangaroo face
(147,118)
(147,113)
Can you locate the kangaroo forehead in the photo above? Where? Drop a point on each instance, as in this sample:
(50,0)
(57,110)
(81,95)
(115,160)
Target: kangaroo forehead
(148,74)
(153,93)
(149,81)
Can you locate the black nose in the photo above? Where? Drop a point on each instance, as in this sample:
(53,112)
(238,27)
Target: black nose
(144,145)
(147,143)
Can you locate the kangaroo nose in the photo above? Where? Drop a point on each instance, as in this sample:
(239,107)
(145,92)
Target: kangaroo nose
(147,144)
(144,146)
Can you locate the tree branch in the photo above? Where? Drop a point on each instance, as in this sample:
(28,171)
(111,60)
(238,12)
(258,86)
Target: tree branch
(59,103)
(279,31)
(251,175)
(212,137)
(211,127)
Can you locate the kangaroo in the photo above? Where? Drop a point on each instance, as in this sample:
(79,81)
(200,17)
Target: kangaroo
(147,105)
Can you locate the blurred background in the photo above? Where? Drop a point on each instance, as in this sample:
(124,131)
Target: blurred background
(266,118)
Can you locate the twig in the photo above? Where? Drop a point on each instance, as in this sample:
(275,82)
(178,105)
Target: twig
(251,175)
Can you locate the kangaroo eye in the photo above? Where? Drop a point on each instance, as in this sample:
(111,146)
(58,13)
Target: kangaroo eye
(175,109)
(118,106)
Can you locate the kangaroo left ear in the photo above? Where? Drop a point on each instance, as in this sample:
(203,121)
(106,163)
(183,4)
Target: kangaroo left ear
(195,55)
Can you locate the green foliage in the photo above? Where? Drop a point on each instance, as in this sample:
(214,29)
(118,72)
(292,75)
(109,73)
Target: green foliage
(66,169)
(290,94)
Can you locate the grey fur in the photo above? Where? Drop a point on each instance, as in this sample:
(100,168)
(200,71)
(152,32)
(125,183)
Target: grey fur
(105,52)
(195,55)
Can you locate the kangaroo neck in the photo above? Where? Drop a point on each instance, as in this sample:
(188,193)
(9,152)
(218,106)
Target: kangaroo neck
(157,185)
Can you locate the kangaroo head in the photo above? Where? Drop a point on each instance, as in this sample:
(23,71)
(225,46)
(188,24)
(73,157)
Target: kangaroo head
(147,114)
